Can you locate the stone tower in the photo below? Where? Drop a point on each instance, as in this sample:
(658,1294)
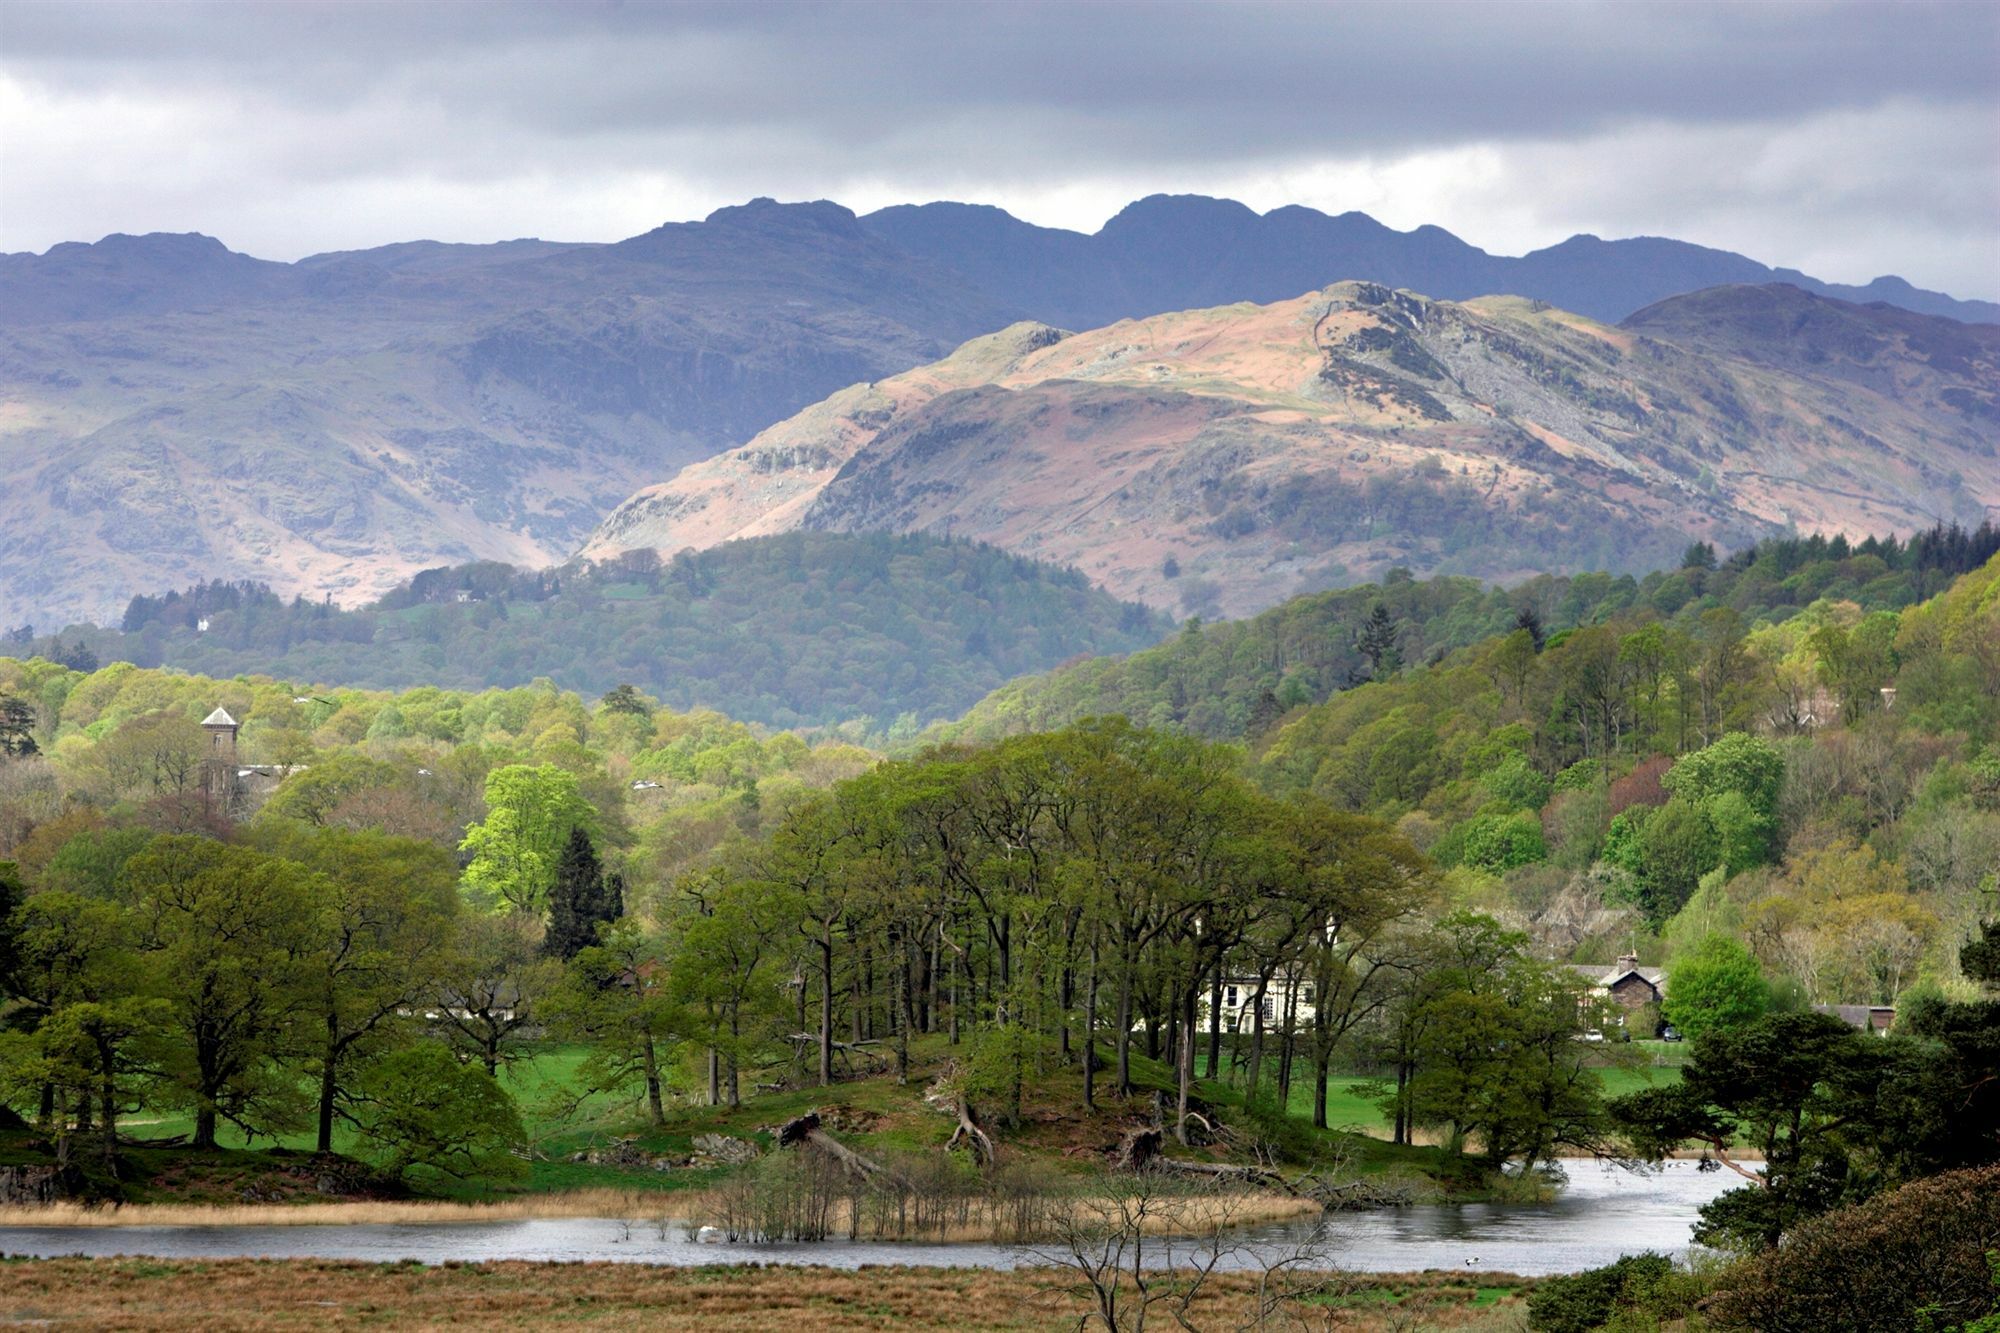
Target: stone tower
(218,769)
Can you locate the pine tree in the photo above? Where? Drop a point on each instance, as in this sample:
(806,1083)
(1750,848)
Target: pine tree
(583,898)
(1377,643)
(1529,619)
(17,727)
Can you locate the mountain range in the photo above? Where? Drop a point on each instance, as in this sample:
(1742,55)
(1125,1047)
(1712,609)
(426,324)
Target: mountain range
(1218,461)
(171,410)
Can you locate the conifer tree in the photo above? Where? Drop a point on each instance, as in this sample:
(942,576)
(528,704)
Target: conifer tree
(582,898)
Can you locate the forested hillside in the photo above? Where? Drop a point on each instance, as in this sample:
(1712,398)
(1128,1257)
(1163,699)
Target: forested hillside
(1825,787)
(1237,678)
(799,629)
(394,898)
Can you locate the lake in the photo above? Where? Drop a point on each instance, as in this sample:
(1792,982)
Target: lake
(1605,1212)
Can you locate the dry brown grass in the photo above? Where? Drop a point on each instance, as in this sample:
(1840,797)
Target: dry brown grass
(245,1294)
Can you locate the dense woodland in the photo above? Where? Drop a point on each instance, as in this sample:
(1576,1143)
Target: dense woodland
(1236,678)
(798,629)
(1786,809)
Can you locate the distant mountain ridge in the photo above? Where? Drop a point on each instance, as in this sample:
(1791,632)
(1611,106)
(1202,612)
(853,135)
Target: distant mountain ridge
(171,410)
(1180,252)
(1219,460)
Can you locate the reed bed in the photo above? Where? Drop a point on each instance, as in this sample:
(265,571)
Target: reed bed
(570,1203)
(994,1220)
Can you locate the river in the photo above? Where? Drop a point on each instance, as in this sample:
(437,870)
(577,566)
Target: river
(1604,1212)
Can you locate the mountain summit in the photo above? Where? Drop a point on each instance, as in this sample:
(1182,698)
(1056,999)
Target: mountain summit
(1221,460)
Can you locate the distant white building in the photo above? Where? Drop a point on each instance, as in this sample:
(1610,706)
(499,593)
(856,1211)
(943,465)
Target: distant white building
(1241,1004)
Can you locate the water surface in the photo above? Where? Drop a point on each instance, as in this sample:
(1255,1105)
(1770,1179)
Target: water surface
(1605,1212)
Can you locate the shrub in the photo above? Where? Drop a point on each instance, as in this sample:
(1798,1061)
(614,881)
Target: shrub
(1919,1253)
(1587,1301)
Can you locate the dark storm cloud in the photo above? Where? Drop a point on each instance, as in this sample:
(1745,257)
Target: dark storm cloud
(1052,105)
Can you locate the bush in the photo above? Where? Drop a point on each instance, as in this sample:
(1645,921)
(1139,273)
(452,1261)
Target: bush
(1587,1301)
(1915,1257)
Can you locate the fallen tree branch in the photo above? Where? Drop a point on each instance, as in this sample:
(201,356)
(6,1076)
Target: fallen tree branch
(806,1132)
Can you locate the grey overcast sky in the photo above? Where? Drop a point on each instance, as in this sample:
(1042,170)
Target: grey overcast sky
(1846,139)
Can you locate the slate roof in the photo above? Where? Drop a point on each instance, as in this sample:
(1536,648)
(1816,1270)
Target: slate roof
(1609,975)
(219,718)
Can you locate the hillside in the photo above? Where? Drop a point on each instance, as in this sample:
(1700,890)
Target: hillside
(807,628)
(176,411)
(1237,679)
(1216,461)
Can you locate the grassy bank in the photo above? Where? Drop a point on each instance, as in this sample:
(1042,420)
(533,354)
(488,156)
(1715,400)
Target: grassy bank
(245,1294)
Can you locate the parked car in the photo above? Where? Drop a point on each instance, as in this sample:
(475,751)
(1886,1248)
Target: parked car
(1670,1033)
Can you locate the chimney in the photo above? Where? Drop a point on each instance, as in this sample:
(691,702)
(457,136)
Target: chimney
(1627,962)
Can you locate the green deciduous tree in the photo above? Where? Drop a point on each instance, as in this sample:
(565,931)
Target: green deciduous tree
(616,997)
(421,1109)
(379,934)
(226,932)
(514,851)
(1715,986)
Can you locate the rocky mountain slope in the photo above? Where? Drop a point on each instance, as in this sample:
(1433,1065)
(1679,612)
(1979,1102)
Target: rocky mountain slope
(1221,460)
(171,410)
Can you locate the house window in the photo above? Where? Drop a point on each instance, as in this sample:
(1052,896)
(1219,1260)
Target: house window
(1306,994)
(1229,997)
(1264,1008)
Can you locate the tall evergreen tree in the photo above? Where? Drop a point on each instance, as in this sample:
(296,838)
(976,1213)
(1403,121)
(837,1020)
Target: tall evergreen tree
(582,898)
(17,727)
(1377,643)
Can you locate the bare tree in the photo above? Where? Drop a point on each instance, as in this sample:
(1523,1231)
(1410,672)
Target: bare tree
(1148,1249)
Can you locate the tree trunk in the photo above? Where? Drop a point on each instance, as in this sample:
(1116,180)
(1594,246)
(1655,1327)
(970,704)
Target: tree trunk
(1186,1053)
(654,1108)
(1090,1036)
(735,1078)
(107,1108)
(1215,1023)
(1125,1032)
(1257,1036)
(328,1087)
(906,986)
(826,1009)
(952,986)
(1322,1069)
